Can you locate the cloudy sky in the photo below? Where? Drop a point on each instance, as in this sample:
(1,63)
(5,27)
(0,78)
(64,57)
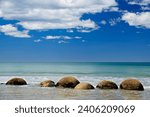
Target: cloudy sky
(74,30)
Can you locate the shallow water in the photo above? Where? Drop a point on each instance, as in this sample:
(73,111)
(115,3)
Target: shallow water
(93,73)
(38,93)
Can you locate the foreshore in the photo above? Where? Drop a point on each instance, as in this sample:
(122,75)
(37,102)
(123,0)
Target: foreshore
(41,91)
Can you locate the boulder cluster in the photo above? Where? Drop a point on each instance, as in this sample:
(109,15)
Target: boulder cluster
(72,82)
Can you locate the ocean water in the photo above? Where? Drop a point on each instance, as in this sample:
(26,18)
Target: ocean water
(92,72)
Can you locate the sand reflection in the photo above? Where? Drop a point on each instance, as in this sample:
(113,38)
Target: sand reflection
(131,94)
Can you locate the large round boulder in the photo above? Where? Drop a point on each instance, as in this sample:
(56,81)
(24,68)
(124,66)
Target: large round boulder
(67,82)
(16,81)
(84,86)
(131,84)
(47,83)
(106,84)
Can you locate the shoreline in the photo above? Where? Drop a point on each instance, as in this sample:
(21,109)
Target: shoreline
(31,92)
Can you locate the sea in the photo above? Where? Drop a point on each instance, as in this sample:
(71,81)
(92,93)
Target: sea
(91,72)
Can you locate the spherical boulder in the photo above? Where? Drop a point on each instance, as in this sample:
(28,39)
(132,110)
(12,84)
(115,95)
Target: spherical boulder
(67,82)
(132,84)
(16,81)
(47,83)
(106,84)
(84,86)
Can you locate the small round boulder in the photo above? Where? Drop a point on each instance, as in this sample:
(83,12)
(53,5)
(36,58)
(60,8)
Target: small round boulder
(84,86)
(67,82)
(16,81)
(106,84)
(132,84)
(47,83)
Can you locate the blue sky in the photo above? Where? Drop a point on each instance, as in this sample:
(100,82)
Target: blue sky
(75,31)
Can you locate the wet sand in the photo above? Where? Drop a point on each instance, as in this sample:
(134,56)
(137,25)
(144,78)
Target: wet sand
(34,92)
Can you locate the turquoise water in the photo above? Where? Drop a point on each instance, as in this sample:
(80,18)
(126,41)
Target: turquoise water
(102,69)
(91,72)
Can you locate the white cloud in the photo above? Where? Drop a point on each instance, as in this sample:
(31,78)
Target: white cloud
(87,30)
(145,8)
(70,31)
(53,14)
(38,25)
(37,41)
(83,41)
(103,22)
(62,41)
(84,30)
(0,13)
(137,19)
(112,9)
(61,37)
(77,37)
(10,30)
(139,2)
(57,37)
(113,22)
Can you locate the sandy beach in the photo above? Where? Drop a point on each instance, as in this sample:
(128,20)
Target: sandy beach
(38,93)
